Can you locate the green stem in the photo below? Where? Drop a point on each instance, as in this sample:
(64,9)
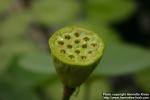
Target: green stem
(67,93)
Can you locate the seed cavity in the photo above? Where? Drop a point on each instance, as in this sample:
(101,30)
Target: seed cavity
(77,41)
(67,37)
(86,38)
(69,46)
(71,56)
(62,51)
(83,57)
(77,51)
(93,44)
(77,34)
(84,46)
(89,52)
(77,44)
(60,42)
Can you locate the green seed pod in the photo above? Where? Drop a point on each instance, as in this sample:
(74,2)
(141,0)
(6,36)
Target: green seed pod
(76,52)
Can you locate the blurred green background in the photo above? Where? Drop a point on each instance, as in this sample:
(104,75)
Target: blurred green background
(26,69)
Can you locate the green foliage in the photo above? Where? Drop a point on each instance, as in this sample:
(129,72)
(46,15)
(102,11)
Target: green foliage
(5,59)
(123,59)
(118,59)
(143,80)
(8,92)
(38,62)
(110,10)
(14,48)
(25,66)
(91,90)
(109,35)
(17,84)
(5,4)
(14,28)
(53,12)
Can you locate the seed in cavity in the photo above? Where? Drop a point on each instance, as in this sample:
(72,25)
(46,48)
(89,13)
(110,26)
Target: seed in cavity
(62,51)
(77,41)
(69,46)
(77,51)
(86,38)
(67,37)
(83,57)
(90,52)
(93,44)
(71,56)
(84,46)
(60,42)
(77,34)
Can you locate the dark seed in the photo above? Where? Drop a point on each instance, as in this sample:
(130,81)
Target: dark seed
(77,51)
(63,51)
(83,57)
(77,34)
(86,38)
(69,46)
(60,42)
(90,52)
(77,41)
(94,44)
(67,37)
(84,46)
(71,56)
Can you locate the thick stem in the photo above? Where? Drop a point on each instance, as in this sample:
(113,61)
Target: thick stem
(67,92)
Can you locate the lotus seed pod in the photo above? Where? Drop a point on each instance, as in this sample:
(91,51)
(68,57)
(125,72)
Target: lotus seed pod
(76,52)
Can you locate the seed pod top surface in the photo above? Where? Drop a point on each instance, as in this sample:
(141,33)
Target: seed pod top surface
(76,46)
